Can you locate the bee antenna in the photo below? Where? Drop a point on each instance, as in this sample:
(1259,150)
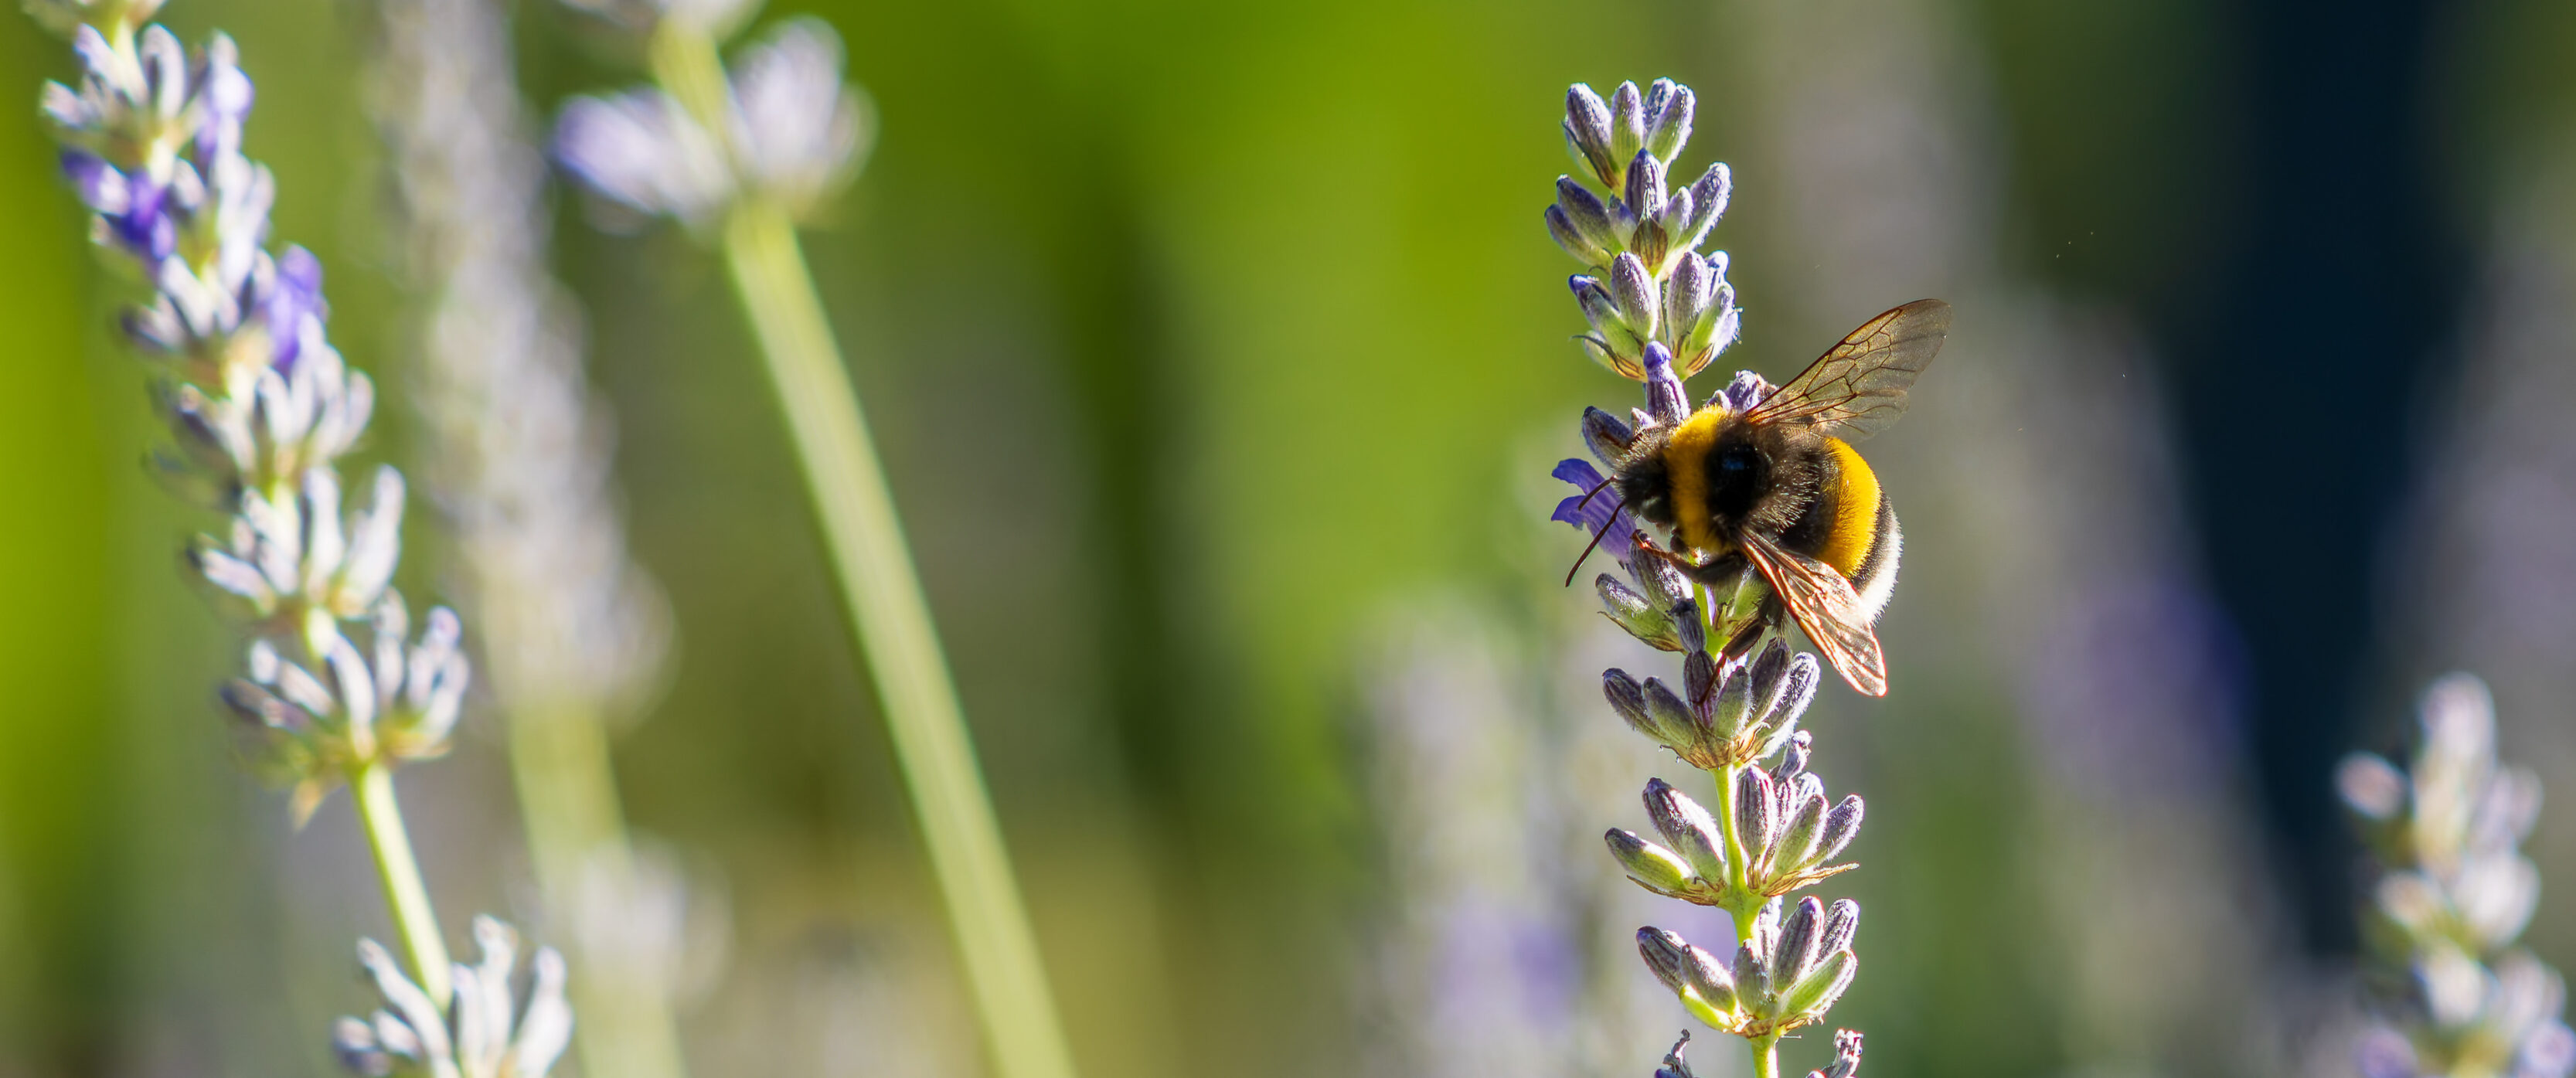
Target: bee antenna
(1596,538)
(1596,489)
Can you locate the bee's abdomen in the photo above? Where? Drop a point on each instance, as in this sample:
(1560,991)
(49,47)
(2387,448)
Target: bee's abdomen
(1850,525)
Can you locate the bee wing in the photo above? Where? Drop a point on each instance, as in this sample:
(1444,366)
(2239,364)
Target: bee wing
(1827,610)
(1859,387)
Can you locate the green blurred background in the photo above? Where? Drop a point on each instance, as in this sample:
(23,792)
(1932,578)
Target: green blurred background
(1218,356)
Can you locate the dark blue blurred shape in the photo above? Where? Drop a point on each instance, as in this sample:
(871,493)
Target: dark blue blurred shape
(2297,370)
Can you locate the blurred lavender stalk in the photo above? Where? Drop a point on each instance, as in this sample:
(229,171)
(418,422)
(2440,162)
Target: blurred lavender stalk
(519,463)
(260,408)
(742,156)
(2455,893)
(1494,955)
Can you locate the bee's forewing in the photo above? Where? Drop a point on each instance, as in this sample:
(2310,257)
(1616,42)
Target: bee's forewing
(1859,386)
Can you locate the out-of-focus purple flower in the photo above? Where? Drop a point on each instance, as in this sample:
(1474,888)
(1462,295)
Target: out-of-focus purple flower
(640,151)
(224,98)
(133,209)
(793,132)
(800,135)
(296,296)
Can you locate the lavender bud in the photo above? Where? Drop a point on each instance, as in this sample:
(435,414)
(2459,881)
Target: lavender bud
(1663,582)
(1599,308)
(354,1043)
(1587,133)
(1793,761)
(1794,790)
(1634,289)
(1573,240)
(1842,922)
(374,549)
(1755,819)
(100,186)
(1689,629)
(1685,968)
(1690,830)
(1708,203)
(1821,988)
(1629,701)
(1727,711)
(1665,397)
(1752,979)
(1841,826)
(1627,122)
(1585,212)
(1797,689)
(1658,869)
(165,73)
(1606,436)
(1699,685)
(1797,847)
(1645,190)
(390,626)
(1686,296)
(1672,718)
(1669,109)
(1630,610)
(324,544)
(1765,675)
(1796,953)
(231,575)
(259,707)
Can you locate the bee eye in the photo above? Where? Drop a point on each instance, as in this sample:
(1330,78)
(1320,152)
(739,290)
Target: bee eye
(1736,460)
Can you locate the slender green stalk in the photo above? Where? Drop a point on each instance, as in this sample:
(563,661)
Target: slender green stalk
(1737,856)
(1766,1055)
(883,598)
(371,790)
(899,645)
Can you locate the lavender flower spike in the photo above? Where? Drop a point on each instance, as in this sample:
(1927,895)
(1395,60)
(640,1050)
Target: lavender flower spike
(259,406)
(2453,898)
(1659,311)
(335,688)
(481,1031)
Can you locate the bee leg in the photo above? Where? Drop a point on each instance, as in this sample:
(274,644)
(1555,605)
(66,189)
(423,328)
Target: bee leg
(1761,623)
(1722,572)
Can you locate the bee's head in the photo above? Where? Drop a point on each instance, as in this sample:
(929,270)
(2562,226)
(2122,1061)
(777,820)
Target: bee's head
(1643,479)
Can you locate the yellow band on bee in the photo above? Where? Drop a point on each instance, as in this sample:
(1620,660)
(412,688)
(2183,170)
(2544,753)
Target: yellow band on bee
(1686,465)
(1855,527)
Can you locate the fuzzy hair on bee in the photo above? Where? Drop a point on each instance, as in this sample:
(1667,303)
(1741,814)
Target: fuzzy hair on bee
(1774,482)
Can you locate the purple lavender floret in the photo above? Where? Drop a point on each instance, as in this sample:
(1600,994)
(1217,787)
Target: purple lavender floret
(1600,510)
(296,296)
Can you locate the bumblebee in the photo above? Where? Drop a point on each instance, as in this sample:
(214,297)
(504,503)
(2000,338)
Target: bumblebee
(1777,485)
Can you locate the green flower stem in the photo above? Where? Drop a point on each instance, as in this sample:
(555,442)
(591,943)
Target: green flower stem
(1744,905)
(559,757)
(1766,1056)
(899,645)
(883,597)
(371,790)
